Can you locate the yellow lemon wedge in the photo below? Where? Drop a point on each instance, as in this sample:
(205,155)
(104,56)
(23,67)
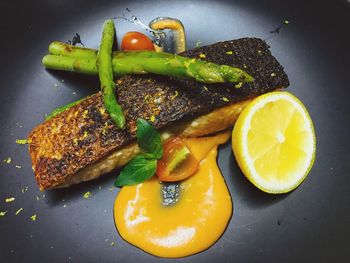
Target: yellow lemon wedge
(274,142)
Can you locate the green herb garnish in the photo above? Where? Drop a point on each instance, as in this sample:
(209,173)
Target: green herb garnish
(144,165)
(22,141)
(3,213)
(19,211)
(148,139)
(138,170)
(87,195)
(8,160)
(10,199)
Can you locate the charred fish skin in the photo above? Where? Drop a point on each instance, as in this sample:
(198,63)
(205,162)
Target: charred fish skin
(253,55)
(85,134)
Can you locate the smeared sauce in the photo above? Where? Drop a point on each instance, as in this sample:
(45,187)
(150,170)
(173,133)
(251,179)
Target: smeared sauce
(194,218)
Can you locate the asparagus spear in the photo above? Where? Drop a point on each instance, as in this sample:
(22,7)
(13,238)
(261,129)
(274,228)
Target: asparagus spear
(141,62)
(61,48)
(61,109)
(105,72)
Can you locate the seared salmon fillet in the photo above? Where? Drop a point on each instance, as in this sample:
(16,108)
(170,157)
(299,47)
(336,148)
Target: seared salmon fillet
(83,143)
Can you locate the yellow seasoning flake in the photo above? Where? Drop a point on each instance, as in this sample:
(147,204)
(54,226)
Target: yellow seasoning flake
(186,64)
(105,128)
(3,213)
(198,43)
(22,141)
(167,61)
(112,244)
(205,88)
(33,217)
(201,55)
(85,134)
(259,52)
(152,118)
(19,211)
(10,200)
(8,160)
(87,195)
(286,22)
(85,112)
(229,52)
(225,99)
(273,74)
(24,189)
(102,110)
(239,85)
(75,141)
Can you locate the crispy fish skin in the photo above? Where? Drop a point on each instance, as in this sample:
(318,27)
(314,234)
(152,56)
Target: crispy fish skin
(65,149)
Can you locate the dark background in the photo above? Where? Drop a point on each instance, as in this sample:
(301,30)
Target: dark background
(311,224)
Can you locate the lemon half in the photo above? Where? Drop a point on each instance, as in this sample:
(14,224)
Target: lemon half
(274,142)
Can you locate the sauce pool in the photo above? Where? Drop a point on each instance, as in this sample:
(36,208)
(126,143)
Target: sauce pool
(193,223)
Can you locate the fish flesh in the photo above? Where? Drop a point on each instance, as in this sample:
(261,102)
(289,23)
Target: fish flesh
(83,142)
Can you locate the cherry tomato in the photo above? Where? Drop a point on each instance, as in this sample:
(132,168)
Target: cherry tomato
(136,41)
(177,162)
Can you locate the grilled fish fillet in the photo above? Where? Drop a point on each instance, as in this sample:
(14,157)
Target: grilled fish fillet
(83,143)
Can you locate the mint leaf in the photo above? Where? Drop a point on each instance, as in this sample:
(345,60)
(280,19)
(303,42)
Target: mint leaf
(148,139)
(138,170)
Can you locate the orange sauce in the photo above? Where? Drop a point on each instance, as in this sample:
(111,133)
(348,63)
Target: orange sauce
(189,226)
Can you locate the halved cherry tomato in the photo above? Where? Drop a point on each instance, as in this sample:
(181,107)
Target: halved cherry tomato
(177,162)
(136,41)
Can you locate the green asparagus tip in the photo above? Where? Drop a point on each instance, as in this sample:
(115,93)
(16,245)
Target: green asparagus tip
(248,78)
(118,119)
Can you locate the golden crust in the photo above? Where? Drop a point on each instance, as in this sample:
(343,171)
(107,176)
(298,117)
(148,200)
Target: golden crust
(72,140)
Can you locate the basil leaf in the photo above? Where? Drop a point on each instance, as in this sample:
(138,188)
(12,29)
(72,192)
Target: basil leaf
(143,166)
(148,139)
(138,170)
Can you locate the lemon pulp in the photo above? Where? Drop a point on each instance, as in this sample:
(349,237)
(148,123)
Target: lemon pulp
(274,142)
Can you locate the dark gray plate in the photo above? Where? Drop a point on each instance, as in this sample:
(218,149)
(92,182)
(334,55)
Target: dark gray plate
(309,224)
